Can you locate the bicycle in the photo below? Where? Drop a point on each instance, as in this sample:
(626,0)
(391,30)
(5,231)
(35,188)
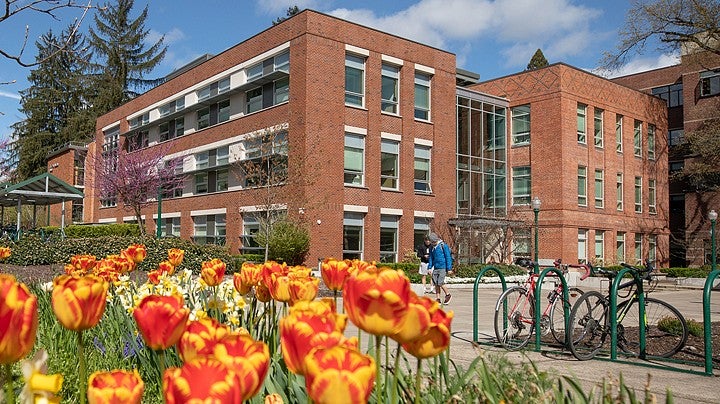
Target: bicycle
(515,309)
(665,328)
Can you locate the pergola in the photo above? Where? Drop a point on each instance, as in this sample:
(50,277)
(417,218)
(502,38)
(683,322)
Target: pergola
(44,190)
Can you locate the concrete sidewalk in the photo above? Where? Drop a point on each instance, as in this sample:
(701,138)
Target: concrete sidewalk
(685,387)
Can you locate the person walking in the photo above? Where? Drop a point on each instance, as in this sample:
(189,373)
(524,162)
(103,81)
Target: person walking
(440,262)
(423,252)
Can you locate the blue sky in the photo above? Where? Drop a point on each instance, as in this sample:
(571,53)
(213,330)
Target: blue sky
(490,37)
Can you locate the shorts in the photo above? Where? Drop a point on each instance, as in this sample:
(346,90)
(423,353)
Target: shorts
(438,276)
(423,269)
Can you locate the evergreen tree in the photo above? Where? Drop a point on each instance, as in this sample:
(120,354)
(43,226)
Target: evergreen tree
(291,11)
(54,97)
(537,61)
(121,59)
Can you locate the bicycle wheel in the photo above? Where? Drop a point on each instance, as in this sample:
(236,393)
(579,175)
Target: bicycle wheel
(557,315)
(588,325)
(665,328)
(514,321)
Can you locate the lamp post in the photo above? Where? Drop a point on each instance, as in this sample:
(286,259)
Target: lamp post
(536,210)
(712,215)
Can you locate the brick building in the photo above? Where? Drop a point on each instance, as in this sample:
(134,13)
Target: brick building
(378,140)
(594,153)
(68,164)
(691,90)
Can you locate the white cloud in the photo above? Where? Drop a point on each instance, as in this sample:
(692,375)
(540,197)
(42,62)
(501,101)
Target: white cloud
(641,65)
(6,94)
(281,6)
(172,36)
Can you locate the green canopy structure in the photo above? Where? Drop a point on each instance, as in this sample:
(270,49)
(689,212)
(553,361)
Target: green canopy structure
(43,190)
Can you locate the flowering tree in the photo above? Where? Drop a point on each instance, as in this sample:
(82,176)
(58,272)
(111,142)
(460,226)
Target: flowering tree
(134,179)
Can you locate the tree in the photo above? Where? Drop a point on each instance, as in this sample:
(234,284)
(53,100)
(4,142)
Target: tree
(674,23)
(54,97)
(291,11)
(702,171)
(121,59)
(14,8)
(537,61)
(287,241)
(134,179)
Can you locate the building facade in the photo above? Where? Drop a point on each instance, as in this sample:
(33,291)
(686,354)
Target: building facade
(68,164)
(595,154)
(691,91)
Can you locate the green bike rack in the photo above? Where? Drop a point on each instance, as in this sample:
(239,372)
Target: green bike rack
(613,311)
(706,320)
(476,310)
(566,303)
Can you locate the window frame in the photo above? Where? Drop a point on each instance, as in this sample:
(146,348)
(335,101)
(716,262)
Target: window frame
(201,180)
(651,142)
(619,133)
(652,196)
(253,100)
(599,242)
(638,243)
(638,194)
(582,183)
(709,84)
(619,192)
(350,147)
(599,187)
(390,74)
(390,149)
(582,127)
(620,246)
(521,114)
(354,62)
(422,80)
(521,175)
(422,154)
(389,224)
(582,246)
(637,138)
(598,130)
(354,221)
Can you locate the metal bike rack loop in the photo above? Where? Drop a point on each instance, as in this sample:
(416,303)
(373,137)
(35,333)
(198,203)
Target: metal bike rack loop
(565,299)
(707,325)
(476,310)
(613,311)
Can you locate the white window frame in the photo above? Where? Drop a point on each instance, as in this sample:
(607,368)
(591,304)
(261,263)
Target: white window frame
(638,194)
(390,74)
(638,248)
(389,224)
(356,62)
(598,132)
(354,142)
(281,90)
(423,156)
(619,133)
(637,138)
(651,142)
(582,183)
(599,188)
(422,80)
(201,183)
(599,247)
(254,103)
(390,148)
(582,127)
(620,193)
(521,116)
(620,247)
(652,196)
(222,177)
(582,246)
(356,222)
(521,174)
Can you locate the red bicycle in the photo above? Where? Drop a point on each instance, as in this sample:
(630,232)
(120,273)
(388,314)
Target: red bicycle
(515,308)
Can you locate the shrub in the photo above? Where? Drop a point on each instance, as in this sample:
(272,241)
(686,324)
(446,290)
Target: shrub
(99,230)
(686,272)
(288,242)
(695,328)
(670,325)
(459,271)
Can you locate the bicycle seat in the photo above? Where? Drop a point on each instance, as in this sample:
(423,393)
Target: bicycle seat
(524,262)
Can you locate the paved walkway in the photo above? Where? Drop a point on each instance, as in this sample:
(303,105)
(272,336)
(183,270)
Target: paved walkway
(686,388)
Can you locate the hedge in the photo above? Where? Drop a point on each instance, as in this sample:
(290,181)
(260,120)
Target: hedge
(100,230)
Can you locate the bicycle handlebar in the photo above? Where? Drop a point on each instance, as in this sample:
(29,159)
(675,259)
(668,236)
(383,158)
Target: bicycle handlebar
(530,265)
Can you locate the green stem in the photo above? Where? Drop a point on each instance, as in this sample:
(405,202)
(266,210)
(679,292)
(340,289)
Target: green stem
(395,370)
(9,393)
(335,298)
(379,387)
(418,381)
(82,374)
(162,363)
(387,362)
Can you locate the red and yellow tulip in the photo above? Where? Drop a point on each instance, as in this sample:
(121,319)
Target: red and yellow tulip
(212,272)
(248,358)
(166,267)
(81,264)
(175,256)
(5,253)
(339,374)
(203,380)
(435,340)
(107,270)
(200,338)
(303,288)
(18,319)
(136,252)
(262,293)
(161,320)
(334,273)
(417,319)
(79,302)
(122,263)
(115,387)
(376,300)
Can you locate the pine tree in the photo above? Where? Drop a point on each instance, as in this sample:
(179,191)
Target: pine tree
(52,100)
(291,11)
(121,59)
(537,61)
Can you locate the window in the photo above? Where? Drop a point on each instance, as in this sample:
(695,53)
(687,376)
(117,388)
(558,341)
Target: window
(354,80)
(676,166)
(389,153)
(388,238)
(599,189)
(422,96)
(619,191)
(389,88)
(253,100)
(676,137)
(139,140)
(620,247)
(652,248)
(582,246)
(709,83)
(521,185)
(619,133)
(582,186)
(199,228)
(651,142)
(282,90)
(422,169)
(671,94)
(421,228)
(598,133)
(209,229)
(581,123)
(638,194)
(223,111)
(202,160)
(254,72)
(139,120)
(521,125)
(170,227)
(599,247)
(172,128)
(353,224)
(222,155)
(354,159)
(637,139)
(171,107)
(652,189)
(251,222)
(281,62)
(201,183)
(203,93)
(77,211)
(223,85)
(203,118)
(638,249)
(521,242)
(221,180)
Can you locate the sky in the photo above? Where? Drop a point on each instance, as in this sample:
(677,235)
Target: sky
(493,38)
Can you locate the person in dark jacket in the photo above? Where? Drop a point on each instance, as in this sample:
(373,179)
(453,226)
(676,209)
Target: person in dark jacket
(440,262)
(423,252)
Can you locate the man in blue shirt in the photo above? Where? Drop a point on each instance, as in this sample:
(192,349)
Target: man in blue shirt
(440,262)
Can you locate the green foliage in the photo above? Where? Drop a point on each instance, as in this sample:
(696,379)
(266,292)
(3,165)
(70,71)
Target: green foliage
(670,325)
(287,242)
(695,328)
(686,272)
(537,61)
(100,230)
(31,250)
